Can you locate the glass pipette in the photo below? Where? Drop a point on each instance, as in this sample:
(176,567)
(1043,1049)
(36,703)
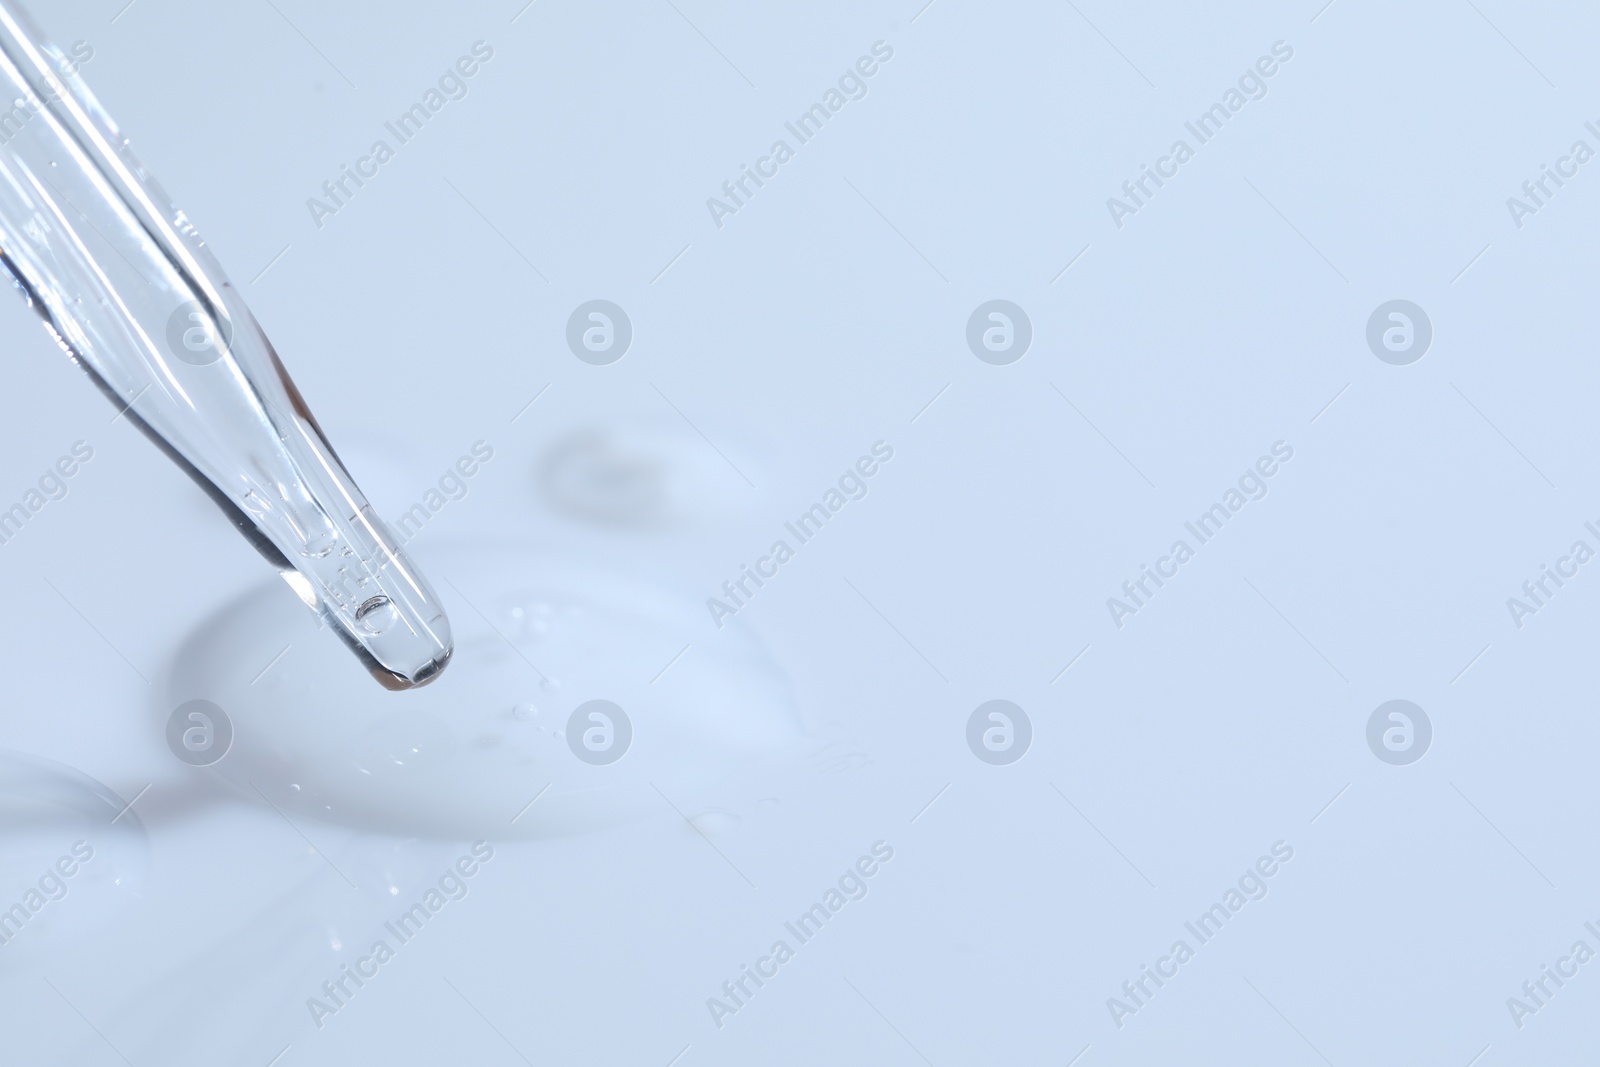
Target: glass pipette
(124,283)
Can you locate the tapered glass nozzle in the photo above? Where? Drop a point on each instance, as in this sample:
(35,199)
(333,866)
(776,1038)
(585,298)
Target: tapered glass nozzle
(124,283)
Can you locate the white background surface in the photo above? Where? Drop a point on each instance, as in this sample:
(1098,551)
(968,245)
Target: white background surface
(823,317)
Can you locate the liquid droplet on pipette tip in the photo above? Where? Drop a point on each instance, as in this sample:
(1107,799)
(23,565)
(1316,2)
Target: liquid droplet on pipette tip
(396,682)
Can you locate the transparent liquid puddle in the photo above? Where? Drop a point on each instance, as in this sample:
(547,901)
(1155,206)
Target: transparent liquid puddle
(465,757)
(125,285)
(45,809)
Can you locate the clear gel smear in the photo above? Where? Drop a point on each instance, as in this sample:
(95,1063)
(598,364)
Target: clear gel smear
(126,286)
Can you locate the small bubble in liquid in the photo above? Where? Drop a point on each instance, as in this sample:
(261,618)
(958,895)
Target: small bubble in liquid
(320,544)
(550,684)
(525,712)
(377,614)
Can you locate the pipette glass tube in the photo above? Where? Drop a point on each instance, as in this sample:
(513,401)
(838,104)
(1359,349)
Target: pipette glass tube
(125,285)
